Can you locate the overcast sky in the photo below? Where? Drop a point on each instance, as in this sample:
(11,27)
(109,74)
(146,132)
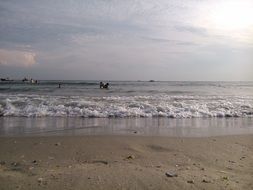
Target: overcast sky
(127,40)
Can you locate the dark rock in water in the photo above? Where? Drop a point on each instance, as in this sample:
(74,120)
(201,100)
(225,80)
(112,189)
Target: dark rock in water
(171,174)
(5,79)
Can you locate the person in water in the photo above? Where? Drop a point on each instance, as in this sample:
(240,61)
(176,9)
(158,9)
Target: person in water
(106,85)
(101,85)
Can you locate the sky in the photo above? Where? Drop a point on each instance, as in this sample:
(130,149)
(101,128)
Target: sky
(179,40)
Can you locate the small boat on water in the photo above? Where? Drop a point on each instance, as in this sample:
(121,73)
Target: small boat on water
(32,81)
(5,79)
(25,79)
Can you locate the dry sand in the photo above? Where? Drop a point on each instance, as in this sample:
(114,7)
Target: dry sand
(126,162)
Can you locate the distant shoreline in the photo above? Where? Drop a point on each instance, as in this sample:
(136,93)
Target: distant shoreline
(148,80)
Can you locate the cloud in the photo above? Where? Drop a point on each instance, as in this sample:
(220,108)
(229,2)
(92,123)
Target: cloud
(173,42)
(192,29)
(16,58)
(73,38)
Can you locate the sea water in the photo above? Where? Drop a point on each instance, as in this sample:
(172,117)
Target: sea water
(124,101)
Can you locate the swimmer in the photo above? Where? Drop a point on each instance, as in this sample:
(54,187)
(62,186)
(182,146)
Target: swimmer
(101,85)
(106,85)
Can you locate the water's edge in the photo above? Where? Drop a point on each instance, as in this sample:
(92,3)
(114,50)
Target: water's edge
(195,127)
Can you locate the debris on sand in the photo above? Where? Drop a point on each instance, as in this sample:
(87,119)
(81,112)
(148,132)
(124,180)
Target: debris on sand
(190,181)
(171,174)
(57,144)
(100,161)
(131,157)
(40,180)
(206,181)
(225,178)
(15,164)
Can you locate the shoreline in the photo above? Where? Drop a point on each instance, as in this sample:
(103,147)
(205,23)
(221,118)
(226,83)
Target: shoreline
(169,127)
(126,162)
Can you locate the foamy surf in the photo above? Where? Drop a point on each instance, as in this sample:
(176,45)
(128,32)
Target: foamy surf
(159,105)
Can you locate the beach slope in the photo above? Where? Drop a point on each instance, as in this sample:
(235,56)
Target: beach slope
(126,162)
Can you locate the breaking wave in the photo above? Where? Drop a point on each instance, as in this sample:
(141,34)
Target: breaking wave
(170,106)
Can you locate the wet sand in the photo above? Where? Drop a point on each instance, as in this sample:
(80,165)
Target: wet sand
(126,162)
(188,127)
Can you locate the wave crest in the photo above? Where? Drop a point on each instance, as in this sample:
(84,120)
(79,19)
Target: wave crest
(135,106)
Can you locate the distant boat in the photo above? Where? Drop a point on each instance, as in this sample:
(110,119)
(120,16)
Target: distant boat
(5,79)
(32,81)
(151,81)
(25,79)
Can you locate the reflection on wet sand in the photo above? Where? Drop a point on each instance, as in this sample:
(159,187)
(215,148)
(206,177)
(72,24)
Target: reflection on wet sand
(14,126)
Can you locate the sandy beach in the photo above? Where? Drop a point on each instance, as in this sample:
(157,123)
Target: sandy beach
(126,95)
(126,162)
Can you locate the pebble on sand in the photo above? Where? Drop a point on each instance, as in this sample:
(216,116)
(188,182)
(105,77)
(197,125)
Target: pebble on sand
(206,181)
(171,174)
(57,144)
(15,164)
(131,157)
(40,180)
(190,181)
(225,178)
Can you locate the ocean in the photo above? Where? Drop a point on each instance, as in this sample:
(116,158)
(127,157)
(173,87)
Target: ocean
(126,99)
(123,101)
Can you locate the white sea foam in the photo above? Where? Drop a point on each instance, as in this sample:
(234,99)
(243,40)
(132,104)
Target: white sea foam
(126,106)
